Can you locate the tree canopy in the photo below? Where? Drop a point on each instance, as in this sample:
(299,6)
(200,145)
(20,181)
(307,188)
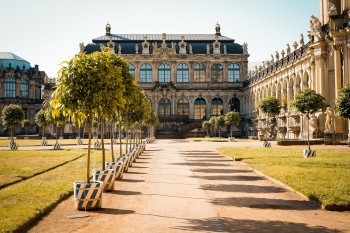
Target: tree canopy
(270,105)
(343,102)
(12,115)
(308,102)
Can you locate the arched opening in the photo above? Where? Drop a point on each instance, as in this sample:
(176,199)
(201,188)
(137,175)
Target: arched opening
(199,109)
(183,107)
(217,106)
(164,107)
(235,104)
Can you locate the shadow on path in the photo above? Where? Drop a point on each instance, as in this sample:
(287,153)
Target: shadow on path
(239,188)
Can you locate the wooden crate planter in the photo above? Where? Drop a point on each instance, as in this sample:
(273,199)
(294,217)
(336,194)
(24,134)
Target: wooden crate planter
(88,196)
(13,145)
(106,176)
(117,166)
(309,153)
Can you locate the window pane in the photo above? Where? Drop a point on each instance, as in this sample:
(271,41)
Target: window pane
(199,73)
(10,87)
(233,73)
(24,88)
(199,109)
(132,69)
(217,73)
(182,73)
(146,73)
(164,73)
(217,107)
(164,107)
(183,107)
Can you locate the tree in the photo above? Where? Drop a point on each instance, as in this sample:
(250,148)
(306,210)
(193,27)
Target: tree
(81,89)
(232,118)
(270,106)
(343,102)
(25,124)
(12,116)
(308,102)
(219,123)
(206,126)
(212,123)
(42,120)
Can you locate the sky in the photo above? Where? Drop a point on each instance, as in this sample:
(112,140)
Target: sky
(47,32)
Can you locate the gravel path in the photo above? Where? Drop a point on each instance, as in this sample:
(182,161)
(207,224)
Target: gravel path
(177,186)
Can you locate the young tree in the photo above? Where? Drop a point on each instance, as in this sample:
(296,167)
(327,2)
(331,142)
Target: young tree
(81,87)
(232,119)
(12,116)
(308,102)
(41,120)
(206,126)
(270,106)
(219,123)
(25,125)
(343,102)
(212,123)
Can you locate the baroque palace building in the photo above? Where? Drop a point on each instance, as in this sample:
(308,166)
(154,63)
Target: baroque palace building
(23,85)
(187,77)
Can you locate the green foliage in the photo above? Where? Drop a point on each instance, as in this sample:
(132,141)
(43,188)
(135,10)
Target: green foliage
(343,102)
(206,125)
(11,116)
(25,123)
(308,102)
(270,105)
(41,118)
(232,118)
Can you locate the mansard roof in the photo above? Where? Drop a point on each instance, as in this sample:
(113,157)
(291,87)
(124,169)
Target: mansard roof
(8,59)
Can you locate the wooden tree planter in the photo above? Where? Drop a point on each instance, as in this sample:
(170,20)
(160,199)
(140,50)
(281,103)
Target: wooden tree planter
(106,176)
(88,196)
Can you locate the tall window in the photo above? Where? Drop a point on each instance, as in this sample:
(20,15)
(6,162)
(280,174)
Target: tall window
(24,88)
(199,73)
(10,87)
(132,69)
(217,73)
(199,109)
(217,107)
(183,107)
(233,73)
(164,107)
(182,73)
(146,73)
(164,73)
(235,104)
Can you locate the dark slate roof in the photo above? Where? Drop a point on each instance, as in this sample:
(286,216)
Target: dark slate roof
(198,41)
(8,59)
(158,37)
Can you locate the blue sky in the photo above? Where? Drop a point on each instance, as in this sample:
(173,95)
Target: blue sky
(46,32)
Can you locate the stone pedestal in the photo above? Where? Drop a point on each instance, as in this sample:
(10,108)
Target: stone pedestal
(328,138)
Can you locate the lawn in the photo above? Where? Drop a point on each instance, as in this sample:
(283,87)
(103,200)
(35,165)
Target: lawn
(324,178)
(22,201)
(214,139)
(18,165)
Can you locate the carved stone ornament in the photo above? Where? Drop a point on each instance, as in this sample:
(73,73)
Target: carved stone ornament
(288,49)
(245,48)
(225,49)
(282,53)
(332,10)
(81,47)
(216,47)
(301,40)
(145,46)
(119,49)
(315,29)
(111,46)
(136,49)
(277,55)
(190,48)
(182,46)
(208,49)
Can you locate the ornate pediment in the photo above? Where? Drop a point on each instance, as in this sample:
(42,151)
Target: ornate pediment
(163,51)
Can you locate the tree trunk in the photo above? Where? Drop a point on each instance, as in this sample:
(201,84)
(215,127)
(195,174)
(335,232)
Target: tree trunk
(308,131)
(103,143)
(126,135)
(231,130)
(112,139)
(120,138)
(89,149)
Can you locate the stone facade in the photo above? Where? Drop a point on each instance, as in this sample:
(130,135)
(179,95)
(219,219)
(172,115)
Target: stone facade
(322,64)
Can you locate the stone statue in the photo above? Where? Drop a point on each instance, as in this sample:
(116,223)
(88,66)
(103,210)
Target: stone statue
(301,40)
(329,121)
(245,48)
(136,49)
(81,47)
(288,49)
(277,55)
(332,9)
(282,53)
(313,123)
(190,48)
(119,49)
(225,49)
(315,27)
(208,49)
(295,45)
(272,59)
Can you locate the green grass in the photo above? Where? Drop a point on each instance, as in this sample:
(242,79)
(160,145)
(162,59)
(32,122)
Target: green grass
(4,142)
(25,200)
(324,178)
(18,165)
(217,139)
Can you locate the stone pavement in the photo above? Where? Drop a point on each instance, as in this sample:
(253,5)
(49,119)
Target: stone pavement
(177,186)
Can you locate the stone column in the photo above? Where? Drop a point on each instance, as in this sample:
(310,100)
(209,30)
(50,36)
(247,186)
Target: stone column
(173,66)
(173,113)
(208,72)
(191,106)
(155,71)
(155,102)
(338,123)
(18,87)
(137,72)
(191,72)
(1,87)
(208,107)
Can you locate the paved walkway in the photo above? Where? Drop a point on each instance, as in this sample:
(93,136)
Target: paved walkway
(177,186)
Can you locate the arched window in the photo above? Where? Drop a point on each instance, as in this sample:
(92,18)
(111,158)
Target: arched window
(217,73)
(182,73)
(10,87)
(183,107)
(146,73)
(199,73)
(233,73)
(24,88)
(164,73)
(199,109)
(235,104)
(217,106)
(164,107)
(132,69)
